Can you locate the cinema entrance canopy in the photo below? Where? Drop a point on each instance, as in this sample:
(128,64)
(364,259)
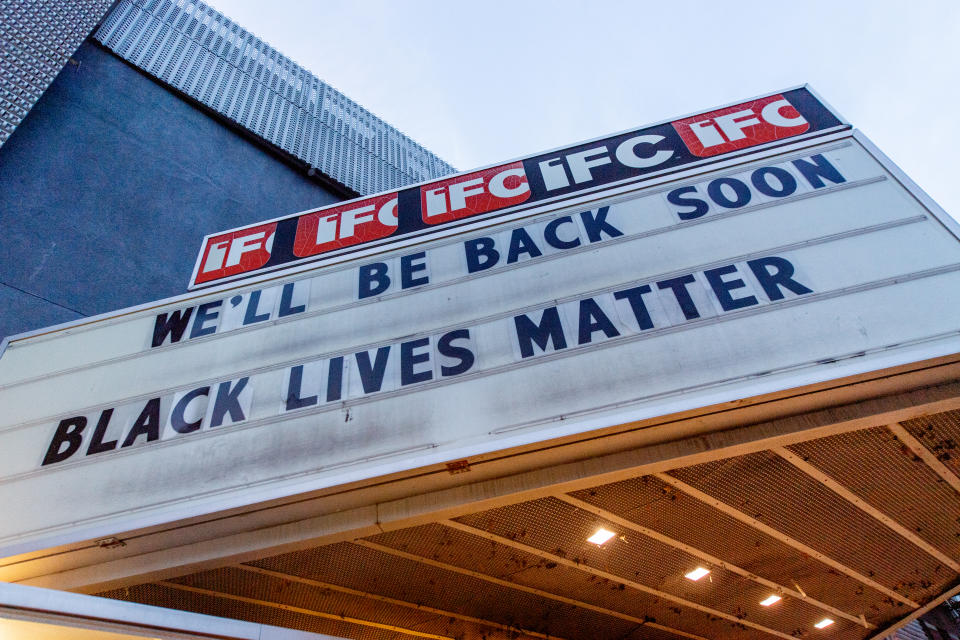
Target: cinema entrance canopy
(713,399)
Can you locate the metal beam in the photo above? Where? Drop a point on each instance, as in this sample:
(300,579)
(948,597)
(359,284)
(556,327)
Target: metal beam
(706,557)
(770,531)
(403,603)
(520,587)
(612,576)
(925,454)
(306,612)
(867,508)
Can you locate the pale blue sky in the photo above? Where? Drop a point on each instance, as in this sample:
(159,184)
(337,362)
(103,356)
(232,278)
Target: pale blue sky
(478,83)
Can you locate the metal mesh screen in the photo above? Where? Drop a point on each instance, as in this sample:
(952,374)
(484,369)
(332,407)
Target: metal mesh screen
(37,38)
(940,433)
(562,530)
(464,550)
(238,582)
(197,50)
(911,492)
(651,503)
(526,570)
(771,490)
(373,571)
(171,598)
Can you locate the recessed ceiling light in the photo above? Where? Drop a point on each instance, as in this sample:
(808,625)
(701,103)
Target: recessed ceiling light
(696,574)
(601,536)
(826,622)
(770,600)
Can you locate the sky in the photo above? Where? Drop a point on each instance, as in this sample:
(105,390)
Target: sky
(482,83)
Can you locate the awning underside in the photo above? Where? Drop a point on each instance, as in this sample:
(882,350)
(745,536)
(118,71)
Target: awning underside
(860,528)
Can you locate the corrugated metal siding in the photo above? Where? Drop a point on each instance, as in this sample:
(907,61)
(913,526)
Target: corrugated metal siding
(199,51)
(935,625)
(910,631)
(37,38)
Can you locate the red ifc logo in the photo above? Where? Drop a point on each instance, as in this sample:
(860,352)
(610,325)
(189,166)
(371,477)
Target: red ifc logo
(236,252)
(474,193)
(744,125)
(347,225)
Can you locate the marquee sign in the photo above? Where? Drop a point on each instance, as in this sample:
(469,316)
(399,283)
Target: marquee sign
(391,218)
(723,282)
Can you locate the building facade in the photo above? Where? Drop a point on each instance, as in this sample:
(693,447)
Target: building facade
(654,386)
(132,130)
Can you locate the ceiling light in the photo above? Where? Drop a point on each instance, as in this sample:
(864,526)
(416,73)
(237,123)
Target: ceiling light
(696,574)
(770,600)
(601,536)
(826,622)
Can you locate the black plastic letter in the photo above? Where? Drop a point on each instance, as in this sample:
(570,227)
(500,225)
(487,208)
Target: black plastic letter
(69,431)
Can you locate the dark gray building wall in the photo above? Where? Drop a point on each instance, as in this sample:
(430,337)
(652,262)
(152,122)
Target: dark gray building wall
(108,186)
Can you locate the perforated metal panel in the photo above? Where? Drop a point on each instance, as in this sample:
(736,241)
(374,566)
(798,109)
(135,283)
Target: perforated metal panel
(462,549)
(561,530)
(388,575)
(651,503)
(253,586)
(770,489)
(37,38)
(911,492)
(172,598)
(199,51)
(525,570)
(940,433)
